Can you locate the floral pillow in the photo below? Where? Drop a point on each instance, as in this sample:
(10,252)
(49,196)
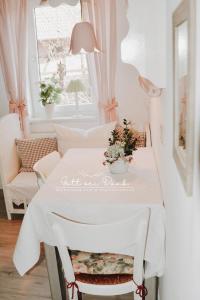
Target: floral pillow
(101,263)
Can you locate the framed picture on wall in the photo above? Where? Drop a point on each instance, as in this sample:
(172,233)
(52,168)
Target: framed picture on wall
(184,90)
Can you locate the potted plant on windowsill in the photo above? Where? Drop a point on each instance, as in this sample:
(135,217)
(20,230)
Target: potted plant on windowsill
(49,96)
(121,146)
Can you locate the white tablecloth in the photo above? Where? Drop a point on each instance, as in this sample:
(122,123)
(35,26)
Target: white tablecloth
(82,189)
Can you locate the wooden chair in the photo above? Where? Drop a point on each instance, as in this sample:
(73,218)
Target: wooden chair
(126,237)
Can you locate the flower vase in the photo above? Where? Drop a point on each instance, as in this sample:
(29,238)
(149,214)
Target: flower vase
(49,110)
(119,166)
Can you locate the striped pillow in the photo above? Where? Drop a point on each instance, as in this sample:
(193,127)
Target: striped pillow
(31,150)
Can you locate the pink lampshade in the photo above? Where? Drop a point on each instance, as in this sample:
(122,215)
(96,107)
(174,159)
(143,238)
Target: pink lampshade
(83,39)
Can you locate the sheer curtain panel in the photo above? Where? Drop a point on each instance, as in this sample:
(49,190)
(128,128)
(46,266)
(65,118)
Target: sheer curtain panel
(13,56)
(102,65)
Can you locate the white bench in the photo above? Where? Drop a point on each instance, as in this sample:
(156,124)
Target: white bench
(18,188)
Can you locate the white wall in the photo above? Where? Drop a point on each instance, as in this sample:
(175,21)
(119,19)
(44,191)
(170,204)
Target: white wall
(133,102)
(145,44)
(182,274)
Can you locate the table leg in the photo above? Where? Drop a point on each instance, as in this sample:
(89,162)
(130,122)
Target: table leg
(152,287)
(56,279)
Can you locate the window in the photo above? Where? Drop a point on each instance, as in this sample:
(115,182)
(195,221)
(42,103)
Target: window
(51,61)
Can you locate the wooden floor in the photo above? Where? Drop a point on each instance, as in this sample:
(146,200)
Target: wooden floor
(34,285)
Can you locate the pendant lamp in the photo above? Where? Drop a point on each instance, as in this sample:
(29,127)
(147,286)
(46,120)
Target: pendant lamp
(83,38)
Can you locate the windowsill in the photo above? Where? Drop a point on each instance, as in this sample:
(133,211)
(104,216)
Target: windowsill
(62,119)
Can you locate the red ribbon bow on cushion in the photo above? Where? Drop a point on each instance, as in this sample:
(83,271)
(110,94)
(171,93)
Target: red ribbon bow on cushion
(72,285)
(142,291)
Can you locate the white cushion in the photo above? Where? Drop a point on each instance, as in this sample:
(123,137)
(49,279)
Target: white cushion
(96,137)
(46,164)
(22,188)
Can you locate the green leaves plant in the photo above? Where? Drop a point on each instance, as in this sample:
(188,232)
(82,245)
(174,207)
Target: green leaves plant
(49,92)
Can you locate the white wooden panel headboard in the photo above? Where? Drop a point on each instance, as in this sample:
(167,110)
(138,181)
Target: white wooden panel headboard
(156,127)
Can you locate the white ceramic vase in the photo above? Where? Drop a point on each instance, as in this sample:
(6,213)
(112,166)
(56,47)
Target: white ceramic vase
(49,109)
(119,166)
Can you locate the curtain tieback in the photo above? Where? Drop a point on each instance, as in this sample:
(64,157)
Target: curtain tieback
(72,285)
(17,107)
(110,106)
(20,109)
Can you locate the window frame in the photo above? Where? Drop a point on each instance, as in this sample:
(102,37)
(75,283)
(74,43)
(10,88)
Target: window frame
(35,107)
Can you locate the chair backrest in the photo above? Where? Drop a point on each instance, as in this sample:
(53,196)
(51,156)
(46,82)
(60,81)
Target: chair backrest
(9,160)
(45,165)
(124,237)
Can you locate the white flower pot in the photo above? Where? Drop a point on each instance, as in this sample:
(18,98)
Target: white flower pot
(119,166)
(49,110)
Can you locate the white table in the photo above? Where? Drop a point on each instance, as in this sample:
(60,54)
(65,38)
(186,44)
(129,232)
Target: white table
(82,189)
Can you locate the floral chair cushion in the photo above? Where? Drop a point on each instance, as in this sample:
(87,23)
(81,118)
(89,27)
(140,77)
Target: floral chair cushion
(101,263)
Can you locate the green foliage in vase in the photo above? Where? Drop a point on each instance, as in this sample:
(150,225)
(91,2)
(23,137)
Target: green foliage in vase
(126,135)
(49,92)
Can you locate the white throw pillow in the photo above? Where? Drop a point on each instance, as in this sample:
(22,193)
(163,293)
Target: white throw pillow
(96,137)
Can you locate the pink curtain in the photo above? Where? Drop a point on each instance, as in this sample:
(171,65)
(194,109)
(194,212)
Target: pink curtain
(13,55)
(102,66)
